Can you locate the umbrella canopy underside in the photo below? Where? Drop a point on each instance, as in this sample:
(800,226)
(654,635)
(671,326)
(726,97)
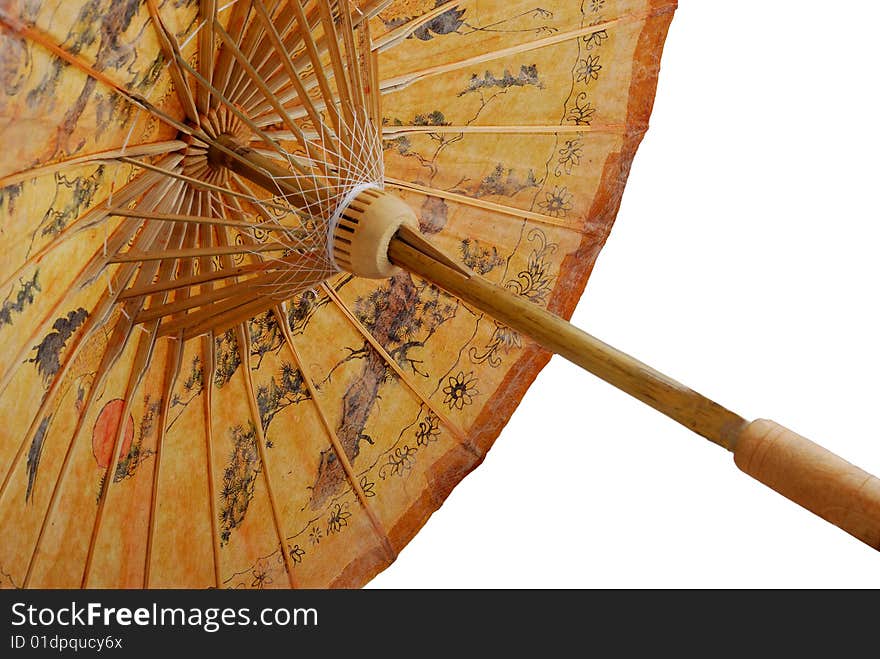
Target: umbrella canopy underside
(305,444)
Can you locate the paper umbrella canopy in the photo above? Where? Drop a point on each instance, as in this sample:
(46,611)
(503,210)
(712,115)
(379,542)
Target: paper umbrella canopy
(271,269)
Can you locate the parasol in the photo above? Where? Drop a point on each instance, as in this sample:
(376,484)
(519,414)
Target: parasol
(195,395)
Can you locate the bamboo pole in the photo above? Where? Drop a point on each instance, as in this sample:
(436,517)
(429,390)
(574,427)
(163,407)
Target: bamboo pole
(300,192)
(788,463)
(664,394)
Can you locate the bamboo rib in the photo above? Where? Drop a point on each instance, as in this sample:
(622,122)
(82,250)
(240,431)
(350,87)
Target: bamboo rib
(614,129)
(156,270)
(206,238)
(135,187)
(406,79)
(267,62)
(270,64)
(338,449)
(170,50)
(245,119)
(139,150)
(479,203)
(186,268)
(198,322)
(268,218)
(273,226)
(221,237)
(220,315)
(352,61)
(134,256)
(283,22)
(48,318)
(241,184)
(210,361)
(207,12)
(119,237)
(221,75)
(56,488)
(264,55)
(172,368)
(293,40)
(174,360)
(196,183)
(373,7)
(151,200)
(267,174)
(186,282)
(244,348)
(103,307)
(217,318)
(400,33)
(317,48)
(138,370)
(375,93)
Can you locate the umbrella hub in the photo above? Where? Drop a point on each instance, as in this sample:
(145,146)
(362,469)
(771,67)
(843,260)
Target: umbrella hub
(362,228)
(218,123)
(358,225)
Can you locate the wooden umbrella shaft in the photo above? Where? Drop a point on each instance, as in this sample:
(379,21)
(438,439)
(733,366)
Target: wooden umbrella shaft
(691,409)
(800,470)
(298,191)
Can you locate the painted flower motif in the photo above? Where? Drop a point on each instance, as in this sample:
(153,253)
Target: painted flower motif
(428,430)
(558,202)
(588,69)
(503,341)
(194,380)
(570,155)
(536,281)
(507,338)
(582,112)
(399,462)
(596,5)
(367,487)
(595,39)
(296,553)
(315,535)
(479,258)
(261,574)
(239,480)
(460,391)
(338,518)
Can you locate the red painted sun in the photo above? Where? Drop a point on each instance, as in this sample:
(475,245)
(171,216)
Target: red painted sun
(106,428)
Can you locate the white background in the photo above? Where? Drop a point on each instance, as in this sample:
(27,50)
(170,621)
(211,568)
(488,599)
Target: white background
(744,263)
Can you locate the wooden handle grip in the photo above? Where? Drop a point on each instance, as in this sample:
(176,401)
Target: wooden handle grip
(812,477)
